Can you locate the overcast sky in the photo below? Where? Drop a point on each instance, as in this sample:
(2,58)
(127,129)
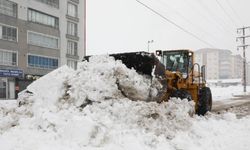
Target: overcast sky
(115,26)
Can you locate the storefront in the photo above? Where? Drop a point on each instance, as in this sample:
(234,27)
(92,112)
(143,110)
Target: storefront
(27,80)
(9,86)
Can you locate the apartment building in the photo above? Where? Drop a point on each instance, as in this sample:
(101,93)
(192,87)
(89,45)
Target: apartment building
(217,62)
(248,73)
(237,66)
(209,58)
(37,36)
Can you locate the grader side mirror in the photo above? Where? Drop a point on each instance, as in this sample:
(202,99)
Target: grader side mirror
(158,53)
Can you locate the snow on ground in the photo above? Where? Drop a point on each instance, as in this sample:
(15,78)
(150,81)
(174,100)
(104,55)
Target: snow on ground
(8,104)
(7,107)
(226,93)
(102,106)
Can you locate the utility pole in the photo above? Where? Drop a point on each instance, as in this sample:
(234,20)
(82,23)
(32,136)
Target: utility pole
(85,27)
(243,37)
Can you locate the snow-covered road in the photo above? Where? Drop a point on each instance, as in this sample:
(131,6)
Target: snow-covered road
(240,106)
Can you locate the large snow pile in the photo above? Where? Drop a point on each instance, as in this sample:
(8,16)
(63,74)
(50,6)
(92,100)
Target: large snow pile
(102,105)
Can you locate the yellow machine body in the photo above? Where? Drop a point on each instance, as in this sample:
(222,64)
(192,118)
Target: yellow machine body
(187,81)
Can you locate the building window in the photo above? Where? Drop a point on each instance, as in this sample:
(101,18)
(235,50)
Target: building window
(53,3)
(72,63)
(8,8)
(42,18)
(8,58)
(72,28)
(43,40)
(72,10)
(8,33)
(72,48)
(42,62)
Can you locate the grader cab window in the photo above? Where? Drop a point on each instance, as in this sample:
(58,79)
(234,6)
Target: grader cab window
(175,61)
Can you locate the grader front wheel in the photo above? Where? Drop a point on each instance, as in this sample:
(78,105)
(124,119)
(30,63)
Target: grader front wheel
(205,101)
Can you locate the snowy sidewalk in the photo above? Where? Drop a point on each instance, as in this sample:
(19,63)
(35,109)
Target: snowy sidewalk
(223,105)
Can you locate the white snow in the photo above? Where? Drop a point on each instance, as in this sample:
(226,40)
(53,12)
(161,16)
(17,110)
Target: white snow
(102,105)
(226,93)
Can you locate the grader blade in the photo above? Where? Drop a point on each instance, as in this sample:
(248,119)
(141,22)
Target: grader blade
(144,63)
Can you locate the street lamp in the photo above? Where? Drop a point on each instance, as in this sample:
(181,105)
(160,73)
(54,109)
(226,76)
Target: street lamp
(151,41)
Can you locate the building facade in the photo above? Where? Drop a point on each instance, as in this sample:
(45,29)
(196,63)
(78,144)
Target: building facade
(248,73)
(37,36)
(237,67)
(218,63)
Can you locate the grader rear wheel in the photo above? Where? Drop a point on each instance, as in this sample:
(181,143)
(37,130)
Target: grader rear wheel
(205,101)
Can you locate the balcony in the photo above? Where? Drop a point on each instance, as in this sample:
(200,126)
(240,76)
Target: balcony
(72,37)
(75,19)
(75,1)
(75,57)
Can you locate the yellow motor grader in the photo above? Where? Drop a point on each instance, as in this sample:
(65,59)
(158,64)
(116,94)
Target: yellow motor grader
(185,79)
(175,69)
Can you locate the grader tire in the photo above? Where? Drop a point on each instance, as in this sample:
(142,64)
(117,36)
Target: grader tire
(182,94)
(205,101)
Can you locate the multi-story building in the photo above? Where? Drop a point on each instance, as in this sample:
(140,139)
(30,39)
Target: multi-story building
(237,66)
(37,36)
(248,73)
(217,62)
(225,71)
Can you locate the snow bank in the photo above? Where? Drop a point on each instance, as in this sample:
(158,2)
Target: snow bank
(226,93)
(97,105)
(103,78)
(223,132)
(102,105)
(7,111)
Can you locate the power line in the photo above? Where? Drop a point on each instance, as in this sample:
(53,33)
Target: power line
(207,17)
(224,10)
(173,23)
(217,21)
(235,13)
(187,20)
